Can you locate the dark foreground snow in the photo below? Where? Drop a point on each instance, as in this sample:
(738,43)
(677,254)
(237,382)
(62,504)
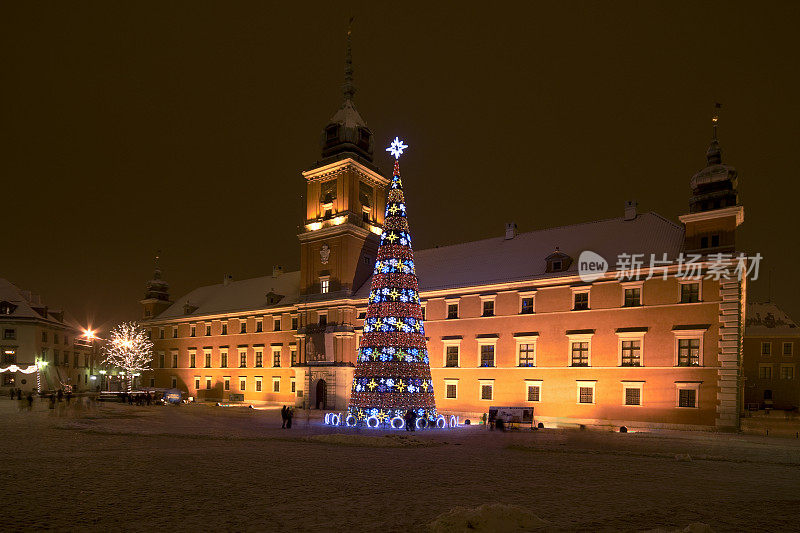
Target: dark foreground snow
(203,468)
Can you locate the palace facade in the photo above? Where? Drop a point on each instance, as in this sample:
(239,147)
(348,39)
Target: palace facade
(508,320)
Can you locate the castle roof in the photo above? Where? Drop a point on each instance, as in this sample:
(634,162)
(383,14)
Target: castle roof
(768,320)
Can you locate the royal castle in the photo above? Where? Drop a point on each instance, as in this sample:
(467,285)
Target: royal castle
(509,321)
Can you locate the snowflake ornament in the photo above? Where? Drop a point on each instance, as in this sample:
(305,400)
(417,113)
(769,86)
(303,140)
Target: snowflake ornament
(396,148)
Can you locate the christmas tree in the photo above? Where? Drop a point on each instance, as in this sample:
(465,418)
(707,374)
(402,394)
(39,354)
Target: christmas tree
(393,374)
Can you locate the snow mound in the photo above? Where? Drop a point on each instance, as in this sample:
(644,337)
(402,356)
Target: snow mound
(384,441)
(495,517)
(694,527)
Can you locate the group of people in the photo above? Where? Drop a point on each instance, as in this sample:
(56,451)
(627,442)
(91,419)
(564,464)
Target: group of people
(17,394)
(411,420)
(138,398)
(286,416)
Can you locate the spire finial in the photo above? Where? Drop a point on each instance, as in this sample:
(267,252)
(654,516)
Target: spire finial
(348,88)
(714,154)
(715,118)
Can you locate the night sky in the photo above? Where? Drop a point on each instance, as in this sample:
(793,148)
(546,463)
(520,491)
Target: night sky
(184,126)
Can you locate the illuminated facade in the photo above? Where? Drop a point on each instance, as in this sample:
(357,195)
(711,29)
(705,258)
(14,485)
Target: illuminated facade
(508,320)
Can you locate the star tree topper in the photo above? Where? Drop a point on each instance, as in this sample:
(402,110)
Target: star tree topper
(396,148)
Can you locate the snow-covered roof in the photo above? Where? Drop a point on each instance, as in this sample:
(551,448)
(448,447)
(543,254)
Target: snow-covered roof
(499,260)
(236,296)
(767,320)
(348,116)
(25,305)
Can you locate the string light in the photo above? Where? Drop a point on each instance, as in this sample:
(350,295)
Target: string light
(129,348)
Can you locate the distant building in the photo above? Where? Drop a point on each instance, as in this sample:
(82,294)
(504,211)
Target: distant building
(509,321)
(33,333)
(771,344)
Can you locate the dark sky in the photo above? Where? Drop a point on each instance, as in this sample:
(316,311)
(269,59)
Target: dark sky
(132,126)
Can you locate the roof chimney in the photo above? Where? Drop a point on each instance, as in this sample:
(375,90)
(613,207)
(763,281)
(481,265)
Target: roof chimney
(277,270)
(226,279)
(630,209)
(511,230)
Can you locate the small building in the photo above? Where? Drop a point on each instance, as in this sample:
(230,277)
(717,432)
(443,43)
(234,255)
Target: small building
(32,335)
(771,344)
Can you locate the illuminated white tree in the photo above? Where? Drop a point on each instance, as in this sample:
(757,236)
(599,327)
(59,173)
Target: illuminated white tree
(128,348)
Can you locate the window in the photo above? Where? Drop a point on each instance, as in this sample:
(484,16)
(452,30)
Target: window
(44,336)
(223,359)
(487,355)
(173,382)
(451,355)
(277,324)
(526,352)
(242,326)
(487,390)
(714,241)
(688,352)
(580,353)
(242,359)
(294,322)
(55,337)
(534,389)
(788,348)
(174,359)
(276,384)
(259,326)
(452,311)
(208,359)
(258,383)
(687,397)
(9,334)
(293,385)
(259,358)
(633,297)
(765,371)
(451,389)
(632,393)
(193,331)
(161,357)
(224,328)
(9,356)
(324,285)
(631,353)
(55,357)
(208,330)
(581,301)
(175,332)
(276,357)
(787,371)
(293,355)
(242,383)
(192,359)
(526,304)
(161,333)
(208,382)
(766,348)
(488,308)
(197,383)
(690,292)
(322,318)
(226,383)
(586,392)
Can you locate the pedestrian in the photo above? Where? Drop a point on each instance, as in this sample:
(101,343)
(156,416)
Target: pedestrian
(13,392)
(149,399)
(289,414)
(60,394)
(52,403)
(30,401)
(68,396)
(407,418)
(19,394)
(283,417)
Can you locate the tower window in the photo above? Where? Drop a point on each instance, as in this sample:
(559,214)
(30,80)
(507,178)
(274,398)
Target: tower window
(332,132)
(703,242)
(324,286)
(714,241)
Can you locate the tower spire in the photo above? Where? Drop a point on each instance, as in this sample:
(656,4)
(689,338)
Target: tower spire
(714,154)
(348,88)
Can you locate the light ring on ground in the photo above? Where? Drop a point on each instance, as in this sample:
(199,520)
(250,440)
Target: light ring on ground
(441,423)
(419,421)
(350,421)
(335,419)
(327,419)
(372,419)
(402,423)
(453,421)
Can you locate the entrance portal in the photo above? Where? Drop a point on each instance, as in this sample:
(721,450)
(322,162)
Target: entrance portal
(322,394)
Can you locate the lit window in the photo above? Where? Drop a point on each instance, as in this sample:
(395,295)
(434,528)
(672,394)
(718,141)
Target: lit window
(631,353)
(242,359)
(487,355)
(324,286)
(688,352)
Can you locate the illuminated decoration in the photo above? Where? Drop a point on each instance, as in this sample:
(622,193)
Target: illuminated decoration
(128,348)
(14,368)
(350,421)
(453,421)
(393,374)
(396,149)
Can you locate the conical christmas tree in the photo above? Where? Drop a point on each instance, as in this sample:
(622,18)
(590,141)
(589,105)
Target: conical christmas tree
(393,374)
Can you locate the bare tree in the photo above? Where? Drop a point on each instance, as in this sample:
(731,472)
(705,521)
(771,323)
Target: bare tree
(128,348)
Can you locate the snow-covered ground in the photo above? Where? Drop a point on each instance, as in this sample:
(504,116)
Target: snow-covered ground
(205,468)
